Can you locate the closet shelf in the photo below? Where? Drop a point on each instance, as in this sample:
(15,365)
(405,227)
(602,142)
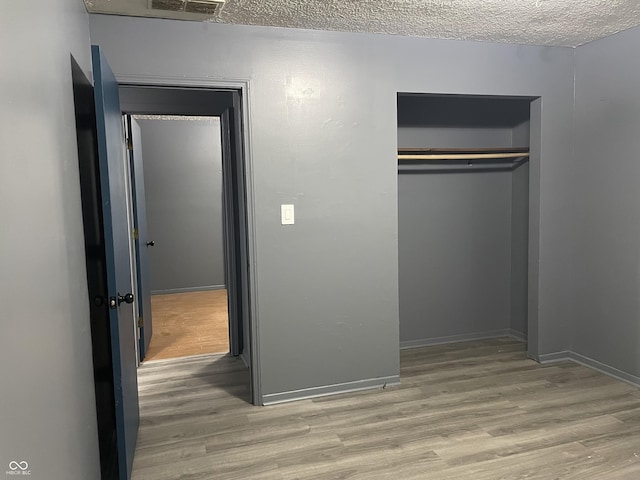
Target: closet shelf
(503,154)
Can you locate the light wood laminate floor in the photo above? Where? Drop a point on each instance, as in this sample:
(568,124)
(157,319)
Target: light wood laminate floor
(191,323)
(475,410)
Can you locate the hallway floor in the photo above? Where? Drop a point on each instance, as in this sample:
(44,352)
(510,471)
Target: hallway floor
(475,410)
(192,323)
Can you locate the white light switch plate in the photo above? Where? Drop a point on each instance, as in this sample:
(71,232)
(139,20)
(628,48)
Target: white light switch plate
(287,214)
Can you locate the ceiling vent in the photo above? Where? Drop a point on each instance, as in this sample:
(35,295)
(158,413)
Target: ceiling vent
(202,7)
(169,5)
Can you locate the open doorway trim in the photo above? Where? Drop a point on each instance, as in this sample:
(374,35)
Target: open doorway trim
(244,86)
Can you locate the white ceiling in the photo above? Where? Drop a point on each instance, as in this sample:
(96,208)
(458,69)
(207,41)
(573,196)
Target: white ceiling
(539,22)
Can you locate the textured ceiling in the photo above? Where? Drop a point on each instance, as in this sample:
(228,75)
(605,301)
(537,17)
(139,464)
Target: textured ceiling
(539,22)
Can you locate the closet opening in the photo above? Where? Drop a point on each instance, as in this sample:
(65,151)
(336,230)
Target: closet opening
(464,190)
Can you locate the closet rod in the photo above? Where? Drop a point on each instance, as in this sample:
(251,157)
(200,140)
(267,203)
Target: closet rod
(463,156)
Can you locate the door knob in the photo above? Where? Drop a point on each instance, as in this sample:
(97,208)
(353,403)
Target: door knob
(128,298)
(152,243)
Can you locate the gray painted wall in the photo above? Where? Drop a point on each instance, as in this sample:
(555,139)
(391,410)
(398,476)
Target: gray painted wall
(606,250)
(183,184)
(323,137)
(443,137)
(454,234)
(47,405)
(520,134)
(520,137)
(519,248)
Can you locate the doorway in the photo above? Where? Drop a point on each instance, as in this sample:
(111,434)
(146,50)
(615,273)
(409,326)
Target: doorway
(198,207)
(184,204)
(226,106)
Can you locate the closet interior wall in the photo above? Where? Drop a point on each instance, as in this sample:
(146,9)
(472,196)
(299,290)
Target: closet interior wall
(463,228)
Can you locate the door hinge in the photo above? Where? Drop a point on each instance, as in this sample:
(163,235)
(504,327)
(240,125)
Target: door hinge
(129,144)
(135,234)
(140,322)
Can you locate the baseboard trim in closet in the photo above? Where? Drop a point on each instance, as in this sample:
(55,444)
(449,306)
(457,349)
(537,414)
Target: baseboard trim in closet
(204,288)
(555,357)
(466,337)
(323,391)
(590,363)
(517,335)
(245,360)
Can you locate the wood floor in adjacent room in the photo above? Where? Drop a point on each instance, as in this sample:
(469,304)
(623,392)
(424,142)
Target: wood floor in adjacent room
(185,324)
(475,410)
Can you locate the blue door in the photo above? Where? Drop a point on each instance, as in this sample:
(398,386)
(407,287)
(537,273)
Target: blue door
(142,240)
(111,154)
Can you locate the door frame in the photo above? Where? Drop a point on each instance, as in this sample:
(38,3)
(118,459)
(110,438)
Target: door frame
(233,231)
(243,85)
(133,255)
(140,237)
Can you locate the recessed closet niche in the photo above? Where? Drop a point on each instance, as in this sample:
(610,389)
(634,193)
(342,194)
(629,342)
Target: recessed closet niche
(463,206)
